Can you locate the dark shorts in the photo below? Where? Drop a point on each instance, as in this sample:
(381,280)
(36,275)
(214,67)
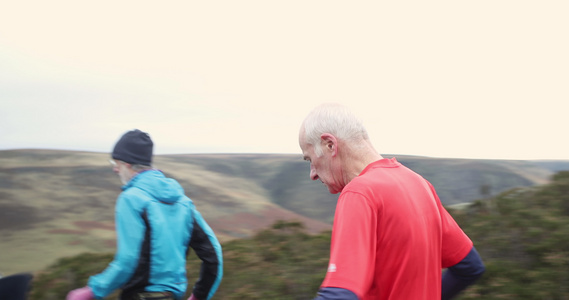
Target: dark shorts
(154,296)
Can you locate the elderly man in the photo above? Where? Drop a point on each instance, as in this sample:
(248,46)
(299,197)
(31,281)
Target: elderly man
(156,225)
(391,236)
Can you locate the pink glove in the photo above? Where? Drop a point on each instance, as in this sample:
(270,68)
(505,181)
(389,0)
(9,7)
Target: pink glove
(192,297)
(84,293)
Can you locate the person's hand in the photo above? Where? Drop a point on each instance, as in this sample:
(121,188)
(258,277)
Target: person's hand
(192,297)
(84,293)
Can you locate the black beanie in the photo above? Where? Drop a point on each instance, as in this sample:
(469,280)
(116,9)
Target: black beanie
(134,147)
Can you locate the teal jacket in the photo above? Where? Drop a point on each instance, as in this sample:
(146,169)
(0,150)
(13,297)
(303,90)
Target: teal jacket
(156,224)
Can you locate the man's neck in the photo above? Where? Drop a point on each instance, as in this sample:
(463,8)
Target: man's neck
(358,158)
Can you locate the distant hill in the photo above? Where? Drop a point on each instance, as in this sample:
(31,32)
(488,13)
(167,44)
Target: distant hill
(465,180)
(59,203)
(553,165)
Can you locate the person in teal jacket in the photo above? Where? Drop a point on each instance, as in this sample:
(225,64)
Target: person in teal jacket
(156,225)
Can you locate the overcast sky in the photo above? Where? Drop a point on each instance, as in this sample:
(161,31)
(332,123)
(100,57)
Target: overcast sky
(463,79)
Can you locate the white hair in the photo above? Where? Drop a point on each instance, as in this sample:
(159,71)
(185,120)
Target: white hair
(334,119)
(139,168)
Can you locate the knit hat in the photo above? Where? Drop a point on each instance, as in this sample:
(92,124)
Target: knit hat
(134,147)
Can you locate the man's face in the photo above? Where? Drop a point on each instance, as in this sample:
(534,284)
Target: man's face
(122,169)
(321,167)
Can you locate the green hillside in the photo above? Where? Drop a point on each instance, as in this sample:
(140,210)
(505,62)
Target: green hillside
(523,237)
(62,202)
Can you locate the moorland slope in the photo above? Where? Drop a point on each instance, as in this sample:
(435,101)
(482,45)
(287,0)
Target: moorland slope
(60,203)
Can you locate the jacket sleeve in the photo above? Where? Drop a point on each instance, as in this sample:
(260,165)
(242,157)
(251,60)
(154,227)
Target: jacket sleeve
(461,275)
(208,249)
(130,230)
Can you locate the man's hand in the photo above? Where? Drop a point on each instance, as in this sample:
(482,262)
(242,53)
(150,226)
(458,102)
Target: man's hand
(84,293)
(192,297)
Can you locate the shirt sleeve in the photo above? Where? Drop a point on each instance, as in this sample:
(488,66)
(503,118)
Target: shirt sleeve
(130,229)
(352,252)
(461,275)
(455,243)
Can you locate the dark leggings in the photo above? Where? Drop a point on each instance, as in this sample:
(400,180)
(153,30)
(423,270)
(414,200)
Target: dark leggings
(15,287)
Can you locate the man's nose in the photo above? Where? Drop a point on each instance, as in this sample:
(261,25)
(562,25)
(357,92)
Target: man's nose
(313,174)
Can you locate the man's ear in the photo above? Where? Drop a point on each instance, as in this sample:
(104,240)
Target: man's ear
(329,143)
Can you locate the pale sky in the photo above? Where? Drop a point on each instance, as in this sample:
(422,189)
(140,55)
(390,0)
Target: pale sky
(461,79)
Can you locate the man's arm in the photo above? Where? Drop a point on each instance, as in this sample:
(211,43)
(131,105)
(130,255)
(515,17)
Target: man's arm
(208,249)
(130,228)
(461,275)
(330,293)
